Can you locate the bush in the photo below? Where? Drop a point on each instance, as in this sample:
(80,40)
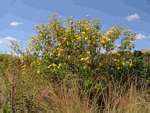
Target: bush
(81,48)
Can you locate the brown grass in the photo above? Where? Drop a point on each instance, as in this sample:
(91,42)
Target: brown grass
(37,95)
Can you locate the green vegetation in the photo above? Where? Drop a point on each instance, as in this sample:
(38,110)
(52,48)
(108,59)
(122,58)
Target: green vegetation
(76,67)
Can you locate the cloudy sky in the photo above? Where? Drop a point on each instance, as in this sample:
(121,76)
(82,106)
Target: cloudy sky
(18,17)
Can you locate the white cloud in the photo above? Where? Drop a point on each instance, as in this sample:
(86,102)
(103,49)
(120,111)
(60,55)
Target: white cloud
(142,36)
(15,23)
(8,40)
(133,17)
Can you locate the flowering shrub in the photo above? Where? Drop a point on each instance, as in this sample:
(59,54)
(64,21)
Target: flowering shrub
(81,47)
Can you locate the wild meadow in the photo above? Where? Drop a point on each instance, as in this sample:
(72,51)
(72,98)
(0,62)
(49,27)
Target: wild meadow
(74,66)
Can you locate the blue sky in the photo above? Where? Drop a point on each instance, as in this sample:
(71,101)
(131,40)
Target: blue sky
(18,17)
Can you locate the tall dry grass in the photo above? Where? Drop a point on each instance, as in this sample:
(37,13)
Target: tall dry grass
(71,99)
(34,94)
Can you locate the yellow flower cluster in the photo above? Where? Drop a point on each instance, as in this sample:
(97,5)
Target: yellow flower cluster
(77,37)
(104,40)
(60,51)
(83,33)
(55,66)
(88,52)
(85,59)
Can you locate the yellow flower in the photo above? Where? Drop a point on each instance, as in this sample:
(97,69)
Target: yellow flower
(88,52)
(61,50)
(104,40)
(49,66)
(86,38)
(38,62)
(84,59)
(59,44)
(52,65)
(38,71)
(87,28)
(77,37)
(59,66)
(83,32)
